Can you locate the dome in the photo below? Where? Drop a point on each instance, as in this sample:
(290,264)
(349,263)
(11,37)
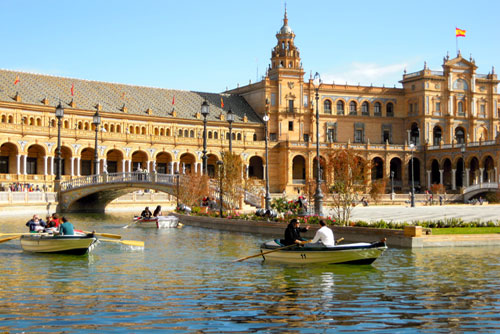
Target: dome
(286,30)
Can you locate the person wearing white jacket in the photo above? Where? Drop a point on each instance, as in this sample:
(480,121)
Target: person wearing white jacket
(324,235)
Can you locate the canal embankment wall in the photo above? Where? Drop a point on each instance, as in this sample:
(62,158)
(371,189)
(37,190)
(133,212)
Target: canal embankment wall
(412,237)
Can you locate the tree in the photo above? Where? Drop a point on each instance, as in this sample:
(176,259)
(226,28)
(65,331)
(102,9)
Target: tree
(346,181)
(192,188)
(232,179)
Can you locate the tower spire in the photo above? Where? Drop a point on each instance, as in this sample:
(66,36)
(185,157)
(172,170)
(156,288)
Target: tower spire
(285,20)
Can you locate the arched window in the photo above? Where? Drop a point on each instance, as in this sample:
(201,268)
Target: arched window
(186,133)
(162,132)
(227,135)
(180,133)
(4,119)
(38,122)
(254,137)
(168,132)
(365,109)
(118,129)
(377,109)
(143,130)
(389,110)
(460,108)
(157,132)
(436,135)
(112,128)
(460,135)
(327,106)
(216,135)
(352,108)
(209,134)
(340,107)
(191,133)
(11,119)
(239,136)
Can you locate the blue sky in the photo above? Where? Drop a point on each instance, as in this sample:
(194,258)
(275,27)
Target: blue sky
(211,45)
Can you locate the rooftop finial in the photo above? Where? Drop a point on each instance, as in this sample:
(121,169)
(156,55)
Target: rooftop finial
(285,20)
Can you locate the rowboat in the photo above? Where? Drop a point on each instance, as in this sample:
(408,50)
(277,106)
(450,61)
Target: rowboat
(77,244)
(158,222)
(355,253)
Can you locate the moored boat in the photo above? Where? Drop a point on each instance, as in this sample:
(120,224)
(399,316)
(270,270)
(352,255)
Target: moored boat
(77,244)
(355,253)
(158,222)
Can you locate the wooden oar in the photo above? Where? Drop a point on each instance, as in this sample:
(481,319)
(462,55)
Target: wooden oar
(9,238)
(263,253)
(106,235)
(20,234)
(126,242)
(339,241)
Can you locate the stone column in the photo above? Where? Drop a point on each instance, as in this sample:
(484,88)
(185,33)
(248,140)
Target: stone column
(495,179)
(123,166)
(481,171)
(51,164)
(72,166)
(154,166)
(429,179)
(130,165)
(177,165)
(467,177)
(78,166)
(441,181)
(453,179)
(25,161)
(45,165)
(264,171)
(104,163)
(171,168)
(18,164)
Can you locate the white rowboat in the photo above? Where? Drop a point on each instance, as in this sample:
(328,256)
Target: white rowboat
(356,253)
(66,244)
(158,222)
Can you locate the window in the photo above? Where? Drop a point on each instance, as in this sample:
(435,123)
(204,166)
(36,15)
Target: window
(273,99)
(340,107)
(254,137)
(358,136)
(290,126)
(273,137)
(209,134)
(460,108)
(112,166)
(216,135)
(86,167)
(377,109)
(327,107)
(306,137)
(436,134)
(290,105)
(438,107)
(482,110)
(460,135)
(306,101)
(330,135)
(386,136)
(365,109)
(180,133)
(390,110)
(352,108)
(161,168)
(4,165)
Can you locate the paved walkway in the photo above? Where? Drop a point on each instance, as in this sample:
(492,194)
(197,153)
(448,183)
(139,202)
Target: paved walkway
(405,213)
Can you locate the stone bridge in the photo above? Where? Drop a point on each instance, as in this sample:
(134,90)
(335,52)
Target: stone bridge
(479,188)
(94,192)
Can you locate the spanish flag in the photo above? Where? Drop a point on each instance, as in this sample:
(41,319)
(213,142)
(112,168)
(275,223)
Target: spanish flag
(17,80)
(221,103)
(459,32)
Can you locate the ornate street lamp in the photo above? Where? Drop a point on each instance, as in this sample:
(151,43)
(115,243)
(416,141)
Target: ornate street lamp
(412,198)
(220,164)
(230,120)
(59,115)
(205,109)
(462,149)
(268,197)
(318,196)
(392,184)
(96,121)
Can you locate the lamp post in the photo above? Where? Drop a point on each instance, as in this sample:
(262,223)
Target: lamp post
(230,120)
(268,197)
(392,184)
(462,149)
(178,190)
(412,198)
(59,115)
(96,121)
(220,164)
(205,109)
(318,196)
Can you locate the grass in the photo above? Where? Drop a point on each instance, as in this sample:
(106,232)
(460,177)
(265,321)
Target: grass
(465,230)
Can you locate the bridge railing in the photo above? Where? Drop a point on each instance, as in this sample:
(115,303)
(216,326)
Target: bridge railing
(484,185)
(136,177)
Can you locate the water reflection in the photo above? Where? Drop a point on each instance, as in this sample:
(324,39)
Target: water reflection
(184,280)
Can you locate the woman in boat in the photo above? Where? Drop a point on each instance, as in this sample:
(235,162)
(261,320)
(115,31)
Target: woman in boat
(54,221)
(146,213)
(323,237)
(292,233)
(157,212)
(66,228)
(36,224)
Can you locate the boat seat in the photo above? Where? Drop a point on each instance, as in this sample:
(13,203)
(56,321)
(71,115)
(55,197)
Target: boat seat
(280,242)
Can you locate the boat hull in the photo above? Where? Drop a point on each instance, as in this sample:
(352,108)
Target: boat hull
(360,253)
(157,222)
(66,244)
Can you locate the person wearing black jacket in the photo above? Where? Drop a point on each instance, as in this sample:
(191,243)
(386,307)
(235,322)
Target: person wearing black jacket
(292,233)
(146,213)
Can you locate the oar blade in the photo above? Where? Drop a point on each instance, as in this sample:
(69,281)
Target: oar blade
(133,243)
(9,238)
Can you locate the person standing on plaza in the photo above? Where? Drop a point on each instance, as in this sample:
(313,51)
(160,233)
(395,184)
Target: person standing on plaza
(324,236)
(292,233)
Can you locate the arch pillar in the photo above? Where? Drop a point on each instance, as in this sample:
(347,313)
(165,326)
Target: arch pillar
(481,171)
(428,179)
(453,179)
(45,165)
(467,177)
(441,171)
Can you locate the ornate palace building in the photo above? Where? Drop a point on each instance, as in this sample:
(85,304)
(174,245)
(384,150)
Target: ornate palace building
(447,120)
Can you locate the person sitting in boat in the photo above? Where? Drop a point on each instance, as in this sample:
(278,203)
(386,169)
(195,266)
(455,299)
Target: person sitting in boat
(323,237)
(66,228)
(146,213)
(54,221)
(292,233)
(36,224)
(157,212)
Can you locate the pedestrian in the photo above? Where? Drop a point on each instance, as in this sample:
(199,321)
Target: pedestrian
(440,199)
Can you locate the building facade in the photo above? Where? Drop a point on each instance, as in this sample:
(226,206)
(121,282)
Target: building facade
(448,121)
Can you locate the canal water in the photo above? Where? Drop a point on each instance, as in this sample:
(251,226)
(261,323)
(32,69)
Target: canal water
(184,281)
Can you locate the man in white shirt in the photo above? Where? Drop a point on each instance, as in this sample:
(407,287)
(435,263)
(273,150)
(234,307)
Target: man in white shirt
(325,235)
